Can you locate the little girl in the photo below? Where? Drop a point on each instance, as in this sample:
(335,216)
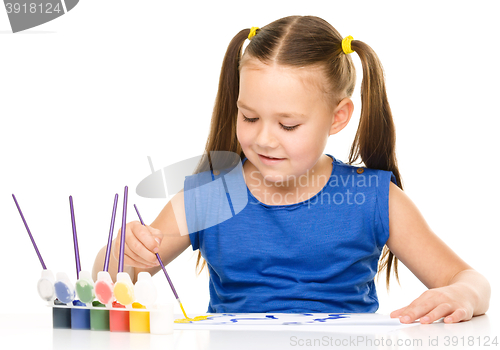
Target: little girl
(311,235)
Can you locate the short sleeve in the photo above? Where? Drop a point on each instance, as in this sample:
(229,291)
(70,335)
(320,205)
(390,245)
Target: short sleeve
(382,212)
(195,240)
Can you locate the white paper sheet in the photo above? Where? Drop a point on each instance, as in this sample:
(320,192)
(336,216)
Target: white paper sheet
(279,321)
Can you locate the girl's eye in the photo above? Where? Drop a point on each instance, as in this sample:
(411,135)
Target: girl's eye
(288,128)
(284,127)
(250,120)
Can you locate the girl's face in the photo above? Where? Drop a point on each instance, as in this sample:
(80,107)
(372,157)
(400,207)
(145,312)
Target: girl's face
(283,114)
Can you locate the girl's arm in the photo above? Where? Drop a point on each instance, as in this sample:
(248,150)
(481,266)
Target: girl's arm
(456,291)
(142,242)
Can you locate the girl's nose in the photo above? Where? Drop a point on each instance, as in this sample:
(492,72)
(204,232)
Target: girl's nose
(266,139)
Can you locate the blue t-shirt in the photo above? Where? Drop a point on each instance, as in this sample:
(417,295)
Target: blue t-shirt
(318,255)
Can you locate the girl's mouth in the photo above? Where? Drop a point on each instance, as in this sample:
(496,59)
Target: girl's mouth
(269,160)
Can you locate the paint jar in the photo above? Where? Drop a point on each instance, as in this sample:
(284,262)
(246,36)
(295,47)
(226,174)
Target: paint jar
(45,286)
(145,290)
(124,289)
(118,320)
(85,288)
(104,288)
(99,319)
(161,319)
(64,289)
(80,318)
(139,320)
(61,316)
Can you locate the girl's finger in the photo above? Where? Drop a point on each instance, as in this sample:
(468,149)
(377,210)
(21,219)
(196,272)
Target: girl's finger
(457,316)
(130,258)
(131,262)
(417,309)
(157,234)
(135,248)
(439,311)
(397,313)
(135,242)
(144,235)
(140,258)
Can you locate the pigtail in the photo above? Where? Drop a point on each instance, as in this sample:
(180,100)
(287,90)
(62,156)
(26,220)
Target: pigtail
(375,140)
(222,135)
(223,127)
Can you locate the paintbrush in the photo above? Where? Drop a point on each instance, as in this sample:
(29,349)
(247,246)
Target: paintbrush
(104,284)
(123,288)
(84,286)
(45,284)
(163,268)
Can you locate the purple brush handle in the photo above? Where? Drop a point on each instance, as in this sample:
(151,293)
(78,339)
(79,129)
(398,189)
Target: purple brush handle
(29,232)
(139,215)
(124,227)
(110,236)
(159,259)
(166,275)
(75,239)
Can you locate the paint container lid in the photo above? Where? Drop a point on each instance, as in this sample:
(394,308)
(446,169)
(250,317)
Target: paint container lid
(104,291)
(45,286)
(85,275)
(85,287)
(104,276)
(104,287)
(123,277)
(145,290)
(65,291)
(124,289)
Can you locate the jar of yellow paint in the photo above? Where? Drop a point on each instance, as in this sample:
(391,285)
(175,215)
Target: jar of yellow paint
(139,320)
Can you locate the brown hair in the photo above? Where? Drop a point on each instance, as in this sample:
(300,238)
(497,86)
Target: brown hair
(299,41)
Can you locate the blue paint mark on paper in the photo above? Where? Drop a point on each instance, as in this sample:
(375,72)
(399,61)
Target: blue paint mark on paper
(331,317)
(268,317)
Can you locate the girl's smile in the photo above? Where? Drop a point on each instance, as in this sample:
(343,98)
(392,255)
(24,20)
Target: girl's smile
(270,160)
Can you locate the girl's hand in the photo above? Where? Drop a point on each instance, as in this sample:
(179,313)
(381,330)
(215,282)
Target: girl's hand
(452,302)
(141,245)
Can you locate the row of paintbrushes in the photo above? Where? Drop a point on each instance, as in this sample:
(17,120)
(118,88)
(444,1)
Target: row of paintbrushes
(123,291)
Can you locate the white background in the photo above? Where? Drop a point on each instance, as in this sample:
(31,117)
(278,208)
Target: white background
(84,100)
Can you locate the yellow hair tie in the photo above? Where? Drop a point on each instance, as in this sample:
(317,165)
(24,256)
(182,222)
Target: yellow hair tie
(253,32)
(346,45)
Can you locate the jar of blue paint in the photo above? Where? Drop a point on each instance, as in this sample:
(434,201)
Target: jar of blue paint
(80,318)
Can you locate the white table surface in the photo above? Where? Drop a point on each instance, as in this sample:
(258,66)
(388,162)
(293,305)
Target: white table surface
(34,331)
